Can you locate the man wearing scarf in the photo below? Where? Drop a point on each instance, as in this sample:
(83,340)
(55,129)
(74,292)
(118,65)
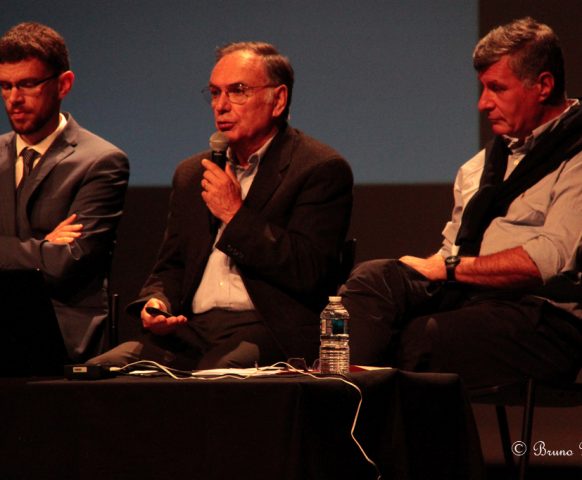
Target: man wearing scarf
(501,300)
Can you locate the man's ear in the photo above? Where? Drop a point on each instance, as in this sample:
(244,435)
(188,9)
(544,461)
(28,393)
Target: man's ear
(545,84)
(280,100)
(66,80)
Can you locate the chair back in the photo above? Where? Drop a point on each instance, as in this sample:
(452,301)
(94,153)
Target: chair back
(346,261)
(528,394)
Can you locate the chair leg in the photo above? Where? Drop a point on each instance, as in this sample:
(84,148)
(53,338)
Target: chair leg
(527,426)
(505,438)
(113,335)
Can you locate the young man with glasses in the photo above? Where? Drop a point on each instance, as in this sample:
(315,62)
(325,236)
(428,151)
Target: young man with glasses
(250,291)
(61,187)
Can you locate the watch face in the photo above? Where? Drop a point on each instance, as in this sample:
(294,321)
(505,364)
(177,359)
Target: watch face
(451,264)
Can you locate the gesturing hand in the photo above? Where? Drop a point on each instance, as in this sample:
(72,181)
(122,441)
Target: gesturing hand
(160,324)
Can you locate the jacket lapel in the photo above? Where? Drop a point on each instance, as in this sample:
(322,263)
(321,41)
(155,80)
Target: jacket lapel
(7,187)
(271,170)
(61,148)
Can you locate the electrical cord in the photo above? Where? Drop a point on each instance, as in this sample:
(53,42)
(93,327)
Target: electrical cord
(257,371)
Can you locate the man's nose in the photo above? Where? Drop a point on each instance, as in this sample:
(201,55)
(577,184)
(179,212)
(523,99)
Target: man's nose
(14,95)
(485,102)
(222,103)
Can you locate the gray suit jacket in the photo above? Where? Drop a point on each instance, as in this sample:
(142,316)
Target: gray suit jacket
(285,240)
(80,173)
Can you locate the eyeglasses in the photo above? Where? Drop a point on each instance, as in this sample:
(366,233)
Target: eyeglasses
(26,87)
(237,93)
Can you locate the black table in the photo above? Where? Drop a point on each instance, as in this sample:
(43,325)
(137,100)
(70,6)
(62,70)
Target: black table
(417,426)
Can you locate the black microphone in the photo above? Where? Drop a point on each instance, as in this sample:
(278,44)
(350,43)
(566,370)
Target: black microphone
(219,144)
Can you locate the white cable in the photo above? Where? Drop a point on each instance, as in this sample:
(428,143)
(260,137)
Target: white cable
(361,398)
(257,372)
(170,371)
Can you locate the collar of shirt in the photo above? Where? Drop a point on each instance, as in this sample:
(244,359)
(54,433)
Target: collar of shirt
(244,175)
(253,161)
(42,146)
(520,149)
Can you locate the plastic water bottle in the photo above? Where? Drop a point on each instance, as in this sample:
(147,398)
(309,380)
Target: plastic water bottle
(334,349)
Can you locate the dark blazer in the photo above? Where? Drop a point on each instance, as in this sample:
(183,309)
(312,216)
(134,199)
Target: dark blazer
(285,240)
(83,174)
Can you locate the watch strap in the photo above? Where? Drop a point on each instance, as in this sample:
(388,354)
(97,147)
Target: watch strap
(451,265)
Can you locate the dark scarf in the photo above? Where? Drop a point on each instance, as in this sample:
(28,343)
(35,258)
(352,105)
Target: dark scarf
(495,195)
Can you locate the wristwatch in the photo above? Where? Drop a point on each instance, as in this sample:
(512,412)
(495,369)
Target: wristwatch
(451,264)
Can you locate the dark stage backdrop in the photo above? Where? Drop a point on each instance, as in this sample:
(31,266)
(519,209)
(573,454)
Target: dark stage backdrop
(389,83)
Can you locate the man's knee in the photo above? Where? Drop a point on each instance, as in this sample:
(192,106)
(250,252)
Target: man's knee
(122,354)
(419,345)
(377,296)
(243,354)
(366,275)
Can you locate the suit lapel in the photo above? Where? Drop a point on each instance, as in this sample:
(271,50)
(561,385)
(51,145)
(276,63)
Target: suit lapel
(271,170)
(61,148)
(8,187)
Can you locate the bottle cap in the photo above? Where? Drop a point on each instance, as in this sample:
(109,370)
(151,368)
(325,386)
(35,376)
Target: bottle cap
(335,299)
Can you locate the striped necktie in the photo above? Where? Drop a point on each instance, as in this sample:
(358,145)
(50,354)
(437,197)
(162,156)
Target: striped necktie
(29,155)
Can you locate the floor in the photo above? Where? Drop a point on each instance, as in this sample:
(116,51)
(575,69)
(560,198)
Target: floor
(496,472)
(559,430)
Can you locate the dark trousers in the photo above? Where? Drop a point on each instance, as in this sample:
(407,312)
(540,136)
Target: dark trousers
(215,339)
(400,318)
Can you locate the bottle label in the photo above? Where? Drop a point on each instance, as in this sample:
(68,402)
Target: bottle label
(336,326)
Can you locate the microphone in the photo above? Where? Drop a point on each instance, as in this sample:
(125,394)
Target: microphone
(219,144)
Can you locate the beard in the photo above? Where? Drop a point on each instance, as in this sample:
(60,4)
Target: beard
(33,123)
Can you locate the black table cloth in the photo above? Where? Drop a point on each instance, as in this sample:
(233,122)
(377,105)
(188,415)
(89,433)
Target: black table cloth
(412,425)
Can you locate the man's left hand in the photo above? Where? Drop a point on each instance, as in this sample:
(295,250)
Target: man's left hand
(221,191)
(65,232)
(432,268)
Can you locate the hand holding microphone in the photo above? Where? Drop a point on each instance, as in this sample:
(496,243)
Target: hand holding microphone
(220,188)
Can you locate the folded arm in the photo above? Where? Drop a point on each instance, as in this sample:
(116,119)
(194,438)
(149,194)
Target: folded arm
(511,268)
(75,227)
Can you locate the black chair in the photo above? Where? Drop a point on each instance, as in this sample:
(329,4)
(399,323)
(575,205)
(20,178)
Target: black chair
(527,394)
(113,321)
(346,261)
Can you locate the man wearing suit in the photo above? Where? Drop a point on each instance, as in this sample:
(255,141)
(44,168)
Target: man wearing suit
(61,187)
(249,252)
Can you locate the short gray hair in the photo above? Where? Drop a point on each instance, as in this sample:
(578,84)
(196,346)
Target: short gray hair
(278,66)
(533,48)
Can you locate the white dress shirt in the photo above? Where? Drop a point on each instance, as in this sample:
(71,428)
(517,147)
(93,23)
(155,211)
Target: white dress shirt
(41,147)
(221,285)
